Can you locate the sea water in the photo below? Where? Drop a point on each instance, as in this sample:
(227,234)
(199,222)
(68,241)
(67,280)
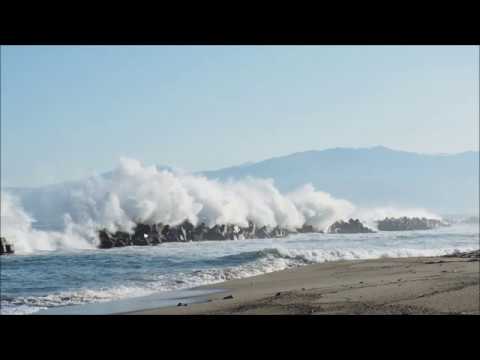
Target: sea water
(62,281)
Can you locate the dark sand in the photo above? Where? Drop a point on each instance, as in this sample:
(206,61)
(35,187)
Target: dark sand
(437,285)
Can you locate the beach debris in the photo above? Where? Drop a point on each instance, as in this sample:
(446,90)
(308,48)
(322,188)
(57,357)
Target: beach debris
(228,297)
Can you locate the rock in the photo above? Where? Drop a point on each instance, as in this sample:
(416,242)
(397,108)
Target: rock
(168,234)
(262,233)
(236,232)
(6,248)
(119,239)
(278,232)
(106,241)
(199,232)
(155,234)
(250,231)
(141,235)
(350,227)
(307,229)
(466,255)
(406,224)
(187,230)
(216,233)
(183,232)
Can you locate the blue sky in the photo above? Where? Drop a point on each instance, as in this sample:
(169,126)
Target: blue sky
(71,111)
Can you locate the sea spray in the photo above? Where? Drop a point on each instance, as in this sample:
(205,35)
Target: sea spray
(134,193)
(16,225)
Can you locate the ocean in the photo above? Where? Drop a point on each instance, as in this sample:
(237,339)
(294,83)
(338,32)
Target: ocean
(90,281)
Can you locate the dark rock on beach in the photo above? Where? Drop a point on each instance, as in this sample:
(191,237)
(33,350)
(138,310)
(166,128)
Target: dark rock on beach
(350,227)
(5,247)
(406,224)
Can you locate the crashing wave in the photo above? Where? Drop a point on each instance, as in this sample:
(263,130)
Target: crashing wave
(135,194)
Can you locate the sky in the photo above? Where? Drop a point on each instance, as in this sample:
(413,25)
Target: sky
(68,112)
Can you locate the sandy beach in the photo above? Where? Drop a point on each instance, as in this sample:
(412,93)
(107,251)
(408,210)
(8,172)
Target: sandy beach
(435,285)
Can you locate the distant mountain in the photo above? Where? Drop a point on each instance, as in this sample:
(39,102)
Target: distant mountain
(378,176)
(375,176)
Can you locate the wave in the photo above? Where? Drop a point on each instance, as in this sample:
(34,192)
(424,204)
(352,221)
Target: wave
(425,234)
(17,226)
(134,193)
(229,267)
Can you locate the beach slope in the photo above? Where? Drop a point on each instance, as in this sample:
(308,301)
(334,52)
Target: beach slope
(436,285)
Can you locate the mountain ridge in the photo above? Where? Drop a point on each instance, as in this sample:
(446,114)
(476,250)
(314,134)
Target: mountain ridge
(374,176)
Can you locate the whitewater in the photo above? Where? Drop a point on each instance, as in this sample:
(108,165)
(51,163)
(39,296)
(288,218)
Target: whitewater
(56,266)
(46,279)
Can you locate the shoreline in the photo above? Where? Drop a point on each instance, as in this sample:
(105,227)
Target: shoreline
(416,285)
(160,299)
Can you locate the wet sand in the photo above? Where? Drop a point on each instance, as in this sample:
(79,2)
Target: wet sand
(436,285)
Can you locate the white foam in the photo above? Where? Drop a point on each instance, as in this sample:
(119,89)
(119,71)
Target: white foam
(16,226)
(135,193)
(294,251)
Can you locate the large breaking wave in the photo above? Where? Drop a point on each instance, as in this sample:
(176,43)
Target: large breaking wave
(135,193)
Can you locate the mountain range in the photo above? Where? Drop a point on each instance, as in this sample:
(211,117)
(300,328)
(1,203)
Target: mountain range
(377,176)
